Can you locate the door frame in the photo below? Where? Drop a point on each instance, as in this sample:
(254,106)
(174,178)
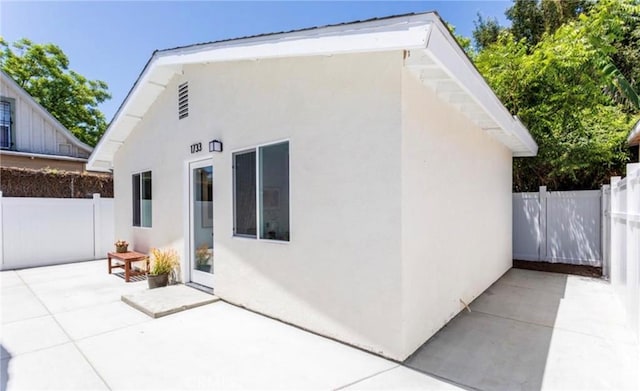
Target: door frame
(187,270)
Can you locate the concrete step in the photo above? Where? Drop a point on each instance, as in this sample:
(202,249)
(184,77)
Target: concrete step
(161,302)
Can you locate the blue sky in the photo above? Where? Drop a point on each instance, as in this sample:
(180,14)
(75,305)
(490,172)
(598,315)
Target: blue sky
(111,41)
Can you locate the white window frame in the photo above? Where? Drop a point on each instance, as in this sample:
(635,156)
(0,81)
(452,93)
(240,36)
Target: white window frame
(256,148)
(12,115)
(132,209)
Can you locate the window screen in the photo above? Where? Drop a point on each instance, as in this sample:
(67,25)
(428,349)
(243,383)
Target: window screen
(244,193)
(141,193)
(261,199)
(274,191)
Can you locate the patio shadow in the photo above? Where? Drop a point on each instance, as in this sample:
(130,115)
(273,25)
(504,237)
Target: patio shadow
(4,369)
(503,343)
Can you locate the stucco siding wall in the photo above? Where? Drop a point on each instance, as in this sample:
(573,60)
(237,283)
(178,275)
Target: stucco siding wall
(159,144)
(456,211)
(35,132)
(340,273)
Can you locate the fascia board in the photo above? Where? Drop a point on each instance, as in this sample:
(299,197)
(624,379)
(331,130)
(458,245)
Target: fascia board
(445,51)
(396,23)
(409,37)
(100,166)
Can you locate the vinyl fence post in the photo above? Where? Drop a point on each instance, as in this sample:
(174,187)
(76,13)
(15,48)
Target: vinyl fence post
(633,240)
(97,224)
(542,243)
(605,230)
(614,251)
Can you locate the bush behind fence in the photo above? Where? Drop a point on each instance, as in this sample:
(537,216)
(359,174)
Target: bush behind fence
(21,182)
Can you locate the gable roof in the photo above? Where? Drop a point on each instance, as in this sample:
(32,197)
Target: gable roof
(44,112)
(431,52)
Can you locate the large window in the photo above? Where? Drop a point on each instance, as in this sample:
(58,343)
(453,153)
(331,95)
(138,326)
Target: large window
(267,209)
(141,185)
(6,125)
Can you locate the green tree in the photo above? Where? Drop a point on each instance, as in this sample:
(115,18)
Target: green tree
(464,42)
(627,54)
(43,71)
(486,32)
(555,13)
(530,19)
(564,89)
(527,22)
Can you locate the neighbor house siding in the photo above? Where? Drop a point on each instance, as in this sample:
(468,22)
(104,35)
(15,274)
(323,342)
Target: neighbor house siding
(456,211)
(36,132)
(340,273)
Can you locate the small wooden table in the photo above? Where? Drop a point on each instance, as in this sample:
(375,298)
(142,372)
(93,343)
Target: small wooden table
(128,258)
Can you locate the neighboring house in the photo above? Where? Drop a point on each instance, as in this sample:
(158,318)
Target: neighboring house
(30,137)
(354,180)
(634,142)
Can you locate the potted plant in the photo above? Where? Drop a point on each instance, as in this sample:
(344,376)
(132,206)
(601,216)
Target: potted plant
(202,258)
(163,262)
(121,246)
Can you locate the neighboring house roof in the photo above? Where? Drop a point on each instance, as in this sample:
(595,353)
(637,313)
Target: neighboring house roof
(38,107)
(431,52)
(44,156)
(634,136)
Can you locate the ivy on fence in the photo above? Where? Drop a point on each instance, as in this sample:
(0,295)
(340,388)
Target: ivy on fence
(48,183)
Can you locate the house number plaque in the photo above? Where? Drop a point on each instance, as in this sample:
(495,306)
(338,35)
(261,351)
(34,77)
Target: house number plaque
(197,147)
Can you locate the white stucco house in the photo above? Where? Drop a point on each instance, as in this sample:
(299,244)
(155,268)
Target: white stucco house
(30,137)
(354,180)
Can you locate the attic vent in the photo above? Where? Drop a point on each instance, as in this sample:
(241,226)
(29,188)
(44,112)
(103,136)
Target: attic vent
(183,100)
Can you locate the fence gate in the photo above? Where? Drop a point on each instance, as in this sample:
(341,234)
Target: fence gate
(563,226)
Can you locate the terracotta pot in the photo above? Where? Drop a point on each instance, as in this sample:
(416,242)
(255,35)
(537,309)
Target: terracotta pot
(157,280)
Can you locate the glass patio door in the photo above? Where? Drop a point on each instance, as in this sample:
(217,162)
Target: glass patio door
(201,222)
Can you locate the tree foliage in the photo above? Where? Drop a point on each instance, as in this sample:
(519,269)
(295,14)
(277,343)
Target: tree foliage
(486,32)
(530,19)
(464,42)
(562,79)
(43,71)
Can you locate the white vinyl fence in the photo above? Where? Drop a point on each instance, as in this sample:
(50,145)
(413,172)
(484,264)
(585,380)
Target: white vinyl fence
(46,231)
(563,226)
(625,242)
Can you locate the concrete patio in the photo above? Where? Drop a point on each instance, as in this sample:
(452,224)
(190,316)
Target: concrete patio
(65,327)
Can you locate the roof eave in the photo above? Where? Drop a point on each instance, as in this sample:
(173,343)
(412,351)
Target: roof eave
(449,72)
(376,35)
(400,33)
(43,156)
